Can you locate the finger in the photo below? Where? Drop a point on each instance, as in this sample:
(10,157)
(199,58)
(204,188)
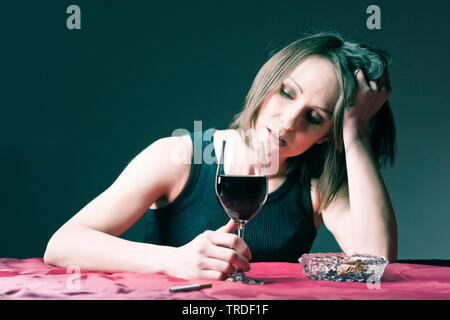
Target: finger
(217,265)
(373,86)
(361,81)
(230,227)
(231,241)
(381,82)
(211,274)
(388,93)
(228,255)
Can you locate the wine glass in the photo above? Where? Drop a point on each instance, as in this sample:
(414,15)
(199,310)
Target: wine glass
(242,185)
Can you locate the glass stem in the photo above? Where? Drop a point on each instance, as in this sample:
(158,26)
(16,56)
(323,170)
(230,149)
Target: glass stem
(241,228)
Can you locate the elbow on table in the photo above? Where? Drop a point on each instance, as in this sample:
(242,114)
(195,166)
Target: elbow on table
(49,259)
(390,257)
(52,255)
(390,254)
(49,254)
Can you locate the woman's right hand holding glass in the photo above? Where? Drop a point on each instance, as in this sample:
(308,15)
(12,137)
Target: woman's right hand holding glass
(211,255)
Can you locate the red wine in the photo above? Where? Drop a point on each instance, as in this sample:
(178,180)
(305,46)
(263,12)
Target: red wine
(242,196)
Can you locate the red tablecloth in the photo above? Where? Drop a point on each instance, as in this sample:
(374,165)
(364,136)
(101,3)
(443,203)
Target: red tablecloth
(32,279)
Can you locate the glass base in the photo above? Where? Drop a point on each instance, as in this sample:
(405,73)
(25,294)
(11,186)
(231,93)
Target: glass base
(240,277)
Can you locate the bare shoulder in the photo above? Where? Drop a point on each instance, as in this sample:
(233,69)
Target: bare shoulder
(173,157)
(152,174)
(175,150)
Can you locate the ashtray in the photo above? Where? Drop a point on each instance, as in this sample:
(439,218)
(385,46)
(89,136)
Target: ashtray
(339,267)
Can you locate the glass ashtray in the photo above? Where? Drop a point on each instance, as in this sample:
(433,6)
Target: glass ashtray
(339,267)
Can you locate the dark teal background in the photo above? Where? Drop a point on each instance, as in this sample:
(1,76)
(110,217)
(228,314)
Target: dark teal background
(78,105)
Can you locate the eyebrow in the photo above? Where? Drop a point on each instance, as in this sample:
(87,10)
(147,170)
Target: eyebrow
(301,90)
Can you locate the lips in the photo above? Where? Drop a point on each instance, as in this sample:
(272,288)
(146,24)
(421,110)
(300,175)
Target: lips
(277,138)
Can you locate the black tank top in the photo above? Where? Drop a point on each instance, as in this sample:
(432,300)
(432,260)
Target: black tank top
(281,231)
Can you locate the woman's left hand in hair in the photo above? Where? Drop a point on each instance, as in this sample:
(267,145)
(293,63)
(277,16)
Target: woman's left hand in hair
(370,98)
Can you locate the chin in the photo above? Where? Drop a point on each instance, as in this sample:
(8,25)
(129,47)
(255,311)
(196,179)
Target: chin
(292,153)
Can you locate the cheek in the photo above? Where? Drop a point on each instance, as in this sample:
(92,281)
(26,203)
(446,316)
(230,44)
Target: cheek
(267,108)
(266,113)
(272,103)
(310,132)
(306,139)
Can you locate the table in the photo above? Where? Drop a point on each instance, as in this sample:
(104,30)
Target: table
(25,279)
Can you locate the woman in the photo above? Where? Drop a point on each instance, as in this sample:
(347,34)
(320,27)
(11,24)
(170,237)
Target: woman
(325,100)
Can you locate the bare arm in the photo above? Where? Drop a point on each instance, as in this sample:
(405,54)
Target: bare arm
(90,238)
(374,226)
(362,218)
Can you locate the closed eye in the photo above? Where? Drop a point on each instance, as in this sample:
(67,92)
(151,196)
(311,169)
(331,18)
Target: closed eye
(314,119)
(309,116)
(284,93)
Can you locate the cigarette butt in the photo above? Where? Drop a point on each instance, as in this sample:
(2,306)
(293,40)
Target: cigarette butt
(191,287)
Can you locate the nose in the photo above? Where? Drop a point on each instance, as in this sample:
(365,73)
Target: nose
(288,124)
(289,118)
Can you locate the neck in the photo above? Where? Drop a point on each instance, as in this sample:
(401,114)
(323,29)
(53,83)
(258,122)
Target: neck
(282,171)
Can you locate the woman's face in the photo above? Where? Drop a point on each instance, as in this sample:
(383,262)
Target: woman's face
(300,110)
